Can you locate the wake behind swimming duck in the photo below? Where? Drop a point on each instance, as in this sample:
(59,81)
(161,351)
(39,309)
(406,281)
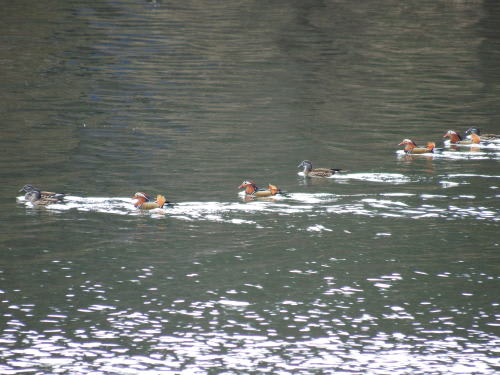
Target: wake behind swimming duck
(42,198)
(412,148)
(252,190)
(309,171)
(144,202)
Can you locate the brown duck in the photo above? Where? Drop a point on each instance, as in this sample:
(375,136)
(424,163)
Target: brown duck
(309,171)
(38,197)
(144,202)
(412,148)
(252,190)
(456,139)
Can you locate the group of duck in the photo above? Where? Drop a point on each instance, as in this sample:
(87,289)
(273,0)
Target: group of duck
(473,137)
(43,198)
(145,202)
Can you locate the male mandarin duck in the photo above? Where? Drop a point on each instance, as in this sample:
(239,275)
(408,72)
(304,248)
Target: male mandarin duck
(317,172)
(251,189)
(456,139)
(38,197)
(143,201)
(484,137)
(412,148)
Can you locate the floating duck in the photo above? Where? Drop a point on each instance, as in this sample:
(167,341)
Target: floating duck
(41,198)
(456,139)
(38,197)
(251,189)
(412,148)
(317,172)
(483,138)
(143,201)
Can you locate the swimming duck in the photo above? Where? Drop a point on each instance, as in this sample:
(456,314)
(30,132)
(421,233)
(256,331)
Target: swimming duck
(316,172)
(35,197)
(143,201)
(485,137)
(41,197)
(412,148)
(251,189)
(456,139)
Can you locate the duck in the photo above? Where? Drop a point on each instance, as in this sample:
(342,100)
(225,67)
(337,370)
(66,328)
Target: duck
(317,172)
(473,131)
(36,196)
(412,148)
(456,139)
(252,190)
(143,201)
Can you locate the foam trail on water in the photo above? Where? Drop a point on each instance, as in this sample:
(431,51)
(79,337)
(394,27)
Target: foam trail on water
(393,178)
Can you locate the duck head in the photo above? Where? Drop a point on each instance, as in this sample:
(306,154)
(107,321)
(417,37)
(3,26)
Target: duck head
(140,198)
(473,130)
(453,135)
(249,186)
(407,142)
(306,164)
(27,188)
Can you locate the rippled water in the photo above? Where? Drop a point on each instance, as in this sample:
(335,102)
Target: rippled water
(390,266)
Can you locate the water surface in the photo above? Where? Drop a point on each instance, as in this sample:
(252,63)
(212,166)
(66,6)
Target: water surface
(389,267)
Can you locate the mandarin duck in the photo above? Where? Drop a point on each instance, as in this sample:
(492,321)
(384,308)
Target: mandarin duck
(38,197)
(456,139)
(484,137)
(144,202)
(412,148)
(317,172)
(252,190)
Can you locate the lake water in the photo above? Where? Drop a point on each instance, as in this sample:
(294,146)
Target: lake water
(391,267)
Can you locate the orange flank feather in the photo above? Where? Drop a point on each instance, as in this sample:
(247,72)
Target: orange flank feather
(160,199)
(273,189)
(475,138)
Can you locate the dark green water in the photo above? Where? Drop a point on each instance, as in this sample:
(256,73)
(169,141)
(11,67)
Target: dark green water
(391,268)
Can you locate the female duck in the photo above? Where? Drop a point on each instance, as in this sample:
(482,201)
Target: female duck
(38,197)
(412,148)
(252,190)
(456,139)
(316,172)
(143,201)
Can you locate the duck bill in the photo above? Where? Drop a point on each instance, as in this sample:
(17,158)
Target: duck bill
(242,186)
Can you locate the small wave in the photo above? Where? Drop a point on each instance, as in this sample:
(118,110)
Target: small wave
(452,175)
(492,145)
(393,178)
(318,228)
(456,155)
(393,204)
